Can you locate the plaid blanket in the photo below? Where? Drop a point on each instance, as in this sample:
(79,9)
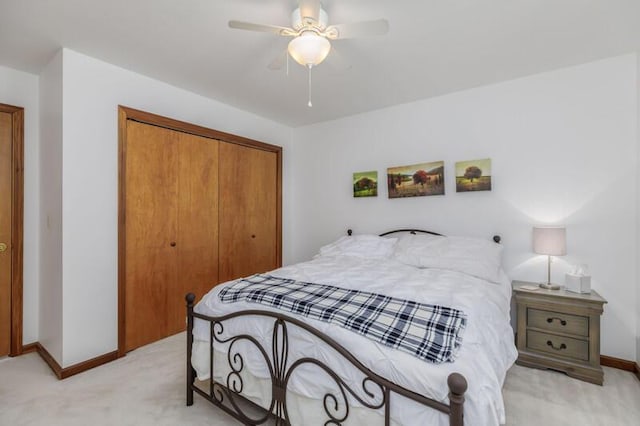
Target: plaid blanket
(430,332)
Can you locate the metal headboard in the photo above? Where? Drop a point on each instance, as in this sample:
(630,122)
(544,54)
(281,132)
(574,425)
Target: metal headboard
(496,238)
(410,231)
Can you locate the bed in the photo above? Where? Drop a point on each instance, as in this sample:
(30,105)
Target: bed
(269,366)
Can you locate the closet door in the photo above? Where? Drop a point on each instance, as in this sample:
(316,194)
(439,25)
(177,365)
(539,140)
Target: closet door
(151,231)
(195,211)
(197,223)
(248,193)
(171,228)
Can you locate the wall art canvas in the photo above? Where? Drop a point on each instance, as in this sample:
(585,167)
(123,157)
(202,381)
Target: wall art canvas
(365,184)
(473,175)
(416,180)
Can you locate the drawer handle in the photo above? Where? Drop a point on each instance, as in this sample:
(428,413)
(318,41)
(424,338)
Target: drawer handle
(562,322)
(562,346)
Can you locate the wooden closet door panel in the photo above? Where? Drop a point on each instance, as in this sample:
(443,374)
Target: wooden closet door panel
(197,223)
(151,230)
(147,278)
(6,138)
(248,210)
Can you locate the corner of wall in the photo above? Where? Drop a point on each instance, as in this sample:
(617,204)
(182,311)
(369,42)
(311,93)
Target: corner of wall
(50,234)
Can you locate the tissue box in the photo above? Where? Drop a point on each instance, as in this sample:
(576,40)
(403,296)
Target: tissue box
(578,283)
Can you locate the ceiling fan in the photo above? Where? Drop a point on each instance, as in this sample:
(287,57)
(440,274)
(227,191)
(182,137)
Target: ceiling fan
(311,32)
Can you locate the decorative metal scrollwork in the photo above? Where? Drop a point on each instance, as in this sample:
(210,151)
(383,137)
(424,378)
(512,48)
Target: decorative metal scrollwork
(280,353)
(234,382)
(336,405)
(373,393)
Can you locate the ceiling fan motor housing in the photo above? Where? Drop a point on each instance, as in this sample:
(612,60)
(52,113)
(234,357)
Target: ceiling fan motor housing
(298,23)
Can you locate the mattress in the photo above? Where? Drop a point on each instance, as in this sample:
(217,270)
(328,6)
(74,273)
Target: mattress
(487,350)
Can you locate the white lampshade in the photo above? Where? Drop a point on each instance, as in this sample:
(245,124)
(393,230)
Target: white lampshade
(551,241)
(309,48)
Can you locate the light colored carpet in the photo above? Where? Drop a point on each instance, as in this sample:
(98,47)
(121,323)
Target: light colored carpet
(147,388)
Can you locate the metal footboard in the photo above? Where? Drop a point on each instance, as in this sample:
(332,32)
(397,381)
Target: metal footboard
(373,393)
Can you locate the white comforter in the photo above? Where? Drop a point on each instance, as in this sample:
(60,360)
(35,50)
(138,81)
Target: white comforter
(486,354)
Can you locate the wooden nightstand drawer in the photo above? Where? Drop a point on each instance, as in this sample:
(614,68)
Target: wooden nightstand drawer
(558,322)
(558,345)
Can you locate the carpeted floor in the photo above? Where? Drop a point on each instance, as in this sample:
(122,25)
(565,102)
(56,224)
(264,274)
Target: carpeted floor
(147,388)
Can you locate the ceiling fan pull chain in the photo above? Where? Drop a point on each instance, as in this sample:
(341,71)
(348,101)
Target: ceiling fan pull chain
(287,55)
(310,104)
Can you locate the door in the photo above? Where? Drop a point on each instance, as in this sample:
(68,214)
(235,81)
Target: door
(197,223)
(248,195)
(171,225)
(151,230)
(175,233)
(6,131)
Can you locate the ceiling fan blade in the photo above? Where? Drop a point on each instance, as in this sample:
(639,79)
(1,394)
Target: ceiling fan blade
(239,25)
(279,61)
(358,29)
(310,9)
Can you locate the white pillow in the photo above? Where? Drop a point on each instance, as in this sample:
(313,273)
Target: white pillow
(473,256)
(364,246)
(411,249)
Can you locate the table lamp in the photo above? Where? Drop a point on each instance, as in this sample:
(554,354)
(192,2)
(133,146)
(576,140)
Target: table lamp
(551,241)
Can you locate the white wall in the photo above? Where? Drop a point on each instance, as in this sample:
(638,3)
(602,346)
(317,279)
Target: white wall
(92,92)
(51,207)
(563,146)
(21,89)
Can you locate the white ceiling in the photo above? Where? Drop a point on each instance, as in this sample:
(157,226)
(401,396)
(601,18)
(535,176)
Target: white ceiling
(433,46)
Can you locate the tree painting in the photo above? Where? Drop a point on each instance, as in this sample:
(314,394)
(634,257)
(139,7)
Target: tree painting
(473,175)
(472,172)
(365,184)
(416,180)
(420,177)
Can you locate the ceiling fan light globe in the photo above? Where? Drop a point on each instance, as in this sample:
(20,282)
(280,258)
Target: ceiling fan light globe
(309,49)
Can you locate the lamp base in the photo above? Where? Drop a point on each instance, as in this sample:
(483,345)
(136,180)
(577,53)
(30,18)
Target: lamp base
(550,286)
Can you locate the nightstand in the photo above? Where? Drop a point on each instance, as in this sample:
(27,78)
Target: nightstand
(559,330)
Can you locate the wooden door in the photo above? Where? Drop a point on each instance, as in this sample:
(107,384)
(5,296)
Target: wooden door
(151,230)
(171,225)
(197,223)
(6,130)
(248,191)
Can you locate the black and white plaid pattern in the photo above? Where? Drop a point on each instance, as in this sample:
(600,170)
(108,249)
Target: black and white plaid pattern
(429,332)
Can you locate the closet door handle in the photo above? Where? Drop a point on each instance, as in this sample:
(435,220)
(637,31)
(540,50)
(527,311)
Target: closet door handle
(172,243)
